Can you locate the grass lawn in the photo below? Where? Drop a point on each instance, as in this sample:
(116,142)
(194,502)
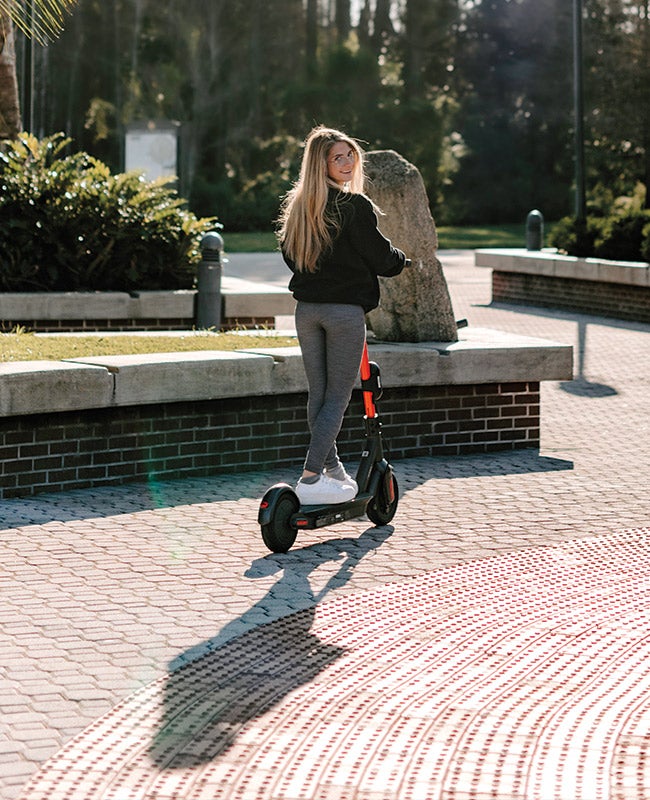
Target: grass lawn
(449,237)
(466,238)
(262,242)
(23,346)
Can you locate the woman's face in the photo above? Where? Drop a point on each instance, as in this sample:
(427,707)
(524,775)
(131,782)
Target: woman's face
(341,161)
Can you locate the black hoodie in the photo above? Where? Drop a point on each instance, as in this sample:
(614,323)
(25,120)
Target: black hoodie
(347,272)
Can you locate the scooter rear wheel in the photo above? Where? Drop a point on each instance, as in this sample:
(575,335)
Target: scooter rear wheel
(278,534)
(381,508)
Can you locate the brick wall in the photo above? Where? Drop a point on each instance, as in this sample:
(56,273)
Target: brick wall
(621,301)
(54,452)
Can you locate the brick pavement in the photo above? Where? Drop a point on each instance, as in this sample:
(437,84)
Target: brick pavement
(105,591)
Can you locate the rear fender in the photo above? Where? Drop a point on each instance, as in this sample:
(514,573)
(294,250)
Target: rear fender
(270,500)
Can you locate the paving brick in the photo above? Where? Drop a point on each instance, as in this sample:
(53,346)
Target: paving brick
(104,590)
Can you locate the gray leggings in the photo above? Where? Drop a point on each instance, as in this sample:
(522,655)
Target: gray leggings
(331,337)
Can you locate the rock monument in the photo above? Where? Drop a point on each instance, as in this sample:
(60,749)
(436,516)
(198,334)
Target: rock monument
(415,306)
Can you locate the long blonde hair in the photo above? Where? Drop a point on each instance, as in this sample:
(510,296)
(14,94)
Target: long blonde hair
(305,227)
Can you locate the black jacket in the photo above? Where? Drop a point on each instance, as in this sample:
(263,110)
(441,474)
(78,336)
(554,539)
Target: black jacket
(347,273)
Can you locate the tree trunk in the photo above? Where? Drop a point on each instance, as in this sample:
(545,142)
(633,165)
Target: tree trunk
(363,28)
(10,123)
(311,48)
(342,20)
(382,24)
(415,48)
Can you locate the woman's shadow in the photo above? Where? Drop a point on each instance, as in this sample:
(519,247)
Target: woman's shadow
(215,688)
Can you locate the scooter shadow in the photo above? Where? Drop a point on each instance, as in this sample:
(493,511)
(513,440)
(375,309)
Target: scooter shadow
(217,687)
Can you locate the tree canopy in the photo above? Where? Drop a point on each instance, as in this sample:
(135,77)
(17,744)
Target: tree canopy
(476,93)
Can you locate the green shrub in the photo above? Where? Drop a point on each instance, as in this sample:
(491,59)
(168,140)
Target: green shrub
(621,237)
(645,244)
(67,224)
(574,237)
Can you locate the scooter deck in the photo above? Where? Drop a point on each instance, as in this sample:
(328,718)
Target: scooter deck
(310,517)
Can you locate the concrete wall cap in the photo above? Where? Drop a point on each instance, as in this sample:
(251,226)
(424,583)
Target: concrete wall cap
(241,298)
(37,387)
(553,264)
(207,357)
(177,377)
(8,368)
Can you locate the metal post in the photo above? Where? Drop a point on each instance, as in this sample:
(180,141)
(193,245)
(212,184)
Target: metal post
(534,230)
(208,296)
(580,203)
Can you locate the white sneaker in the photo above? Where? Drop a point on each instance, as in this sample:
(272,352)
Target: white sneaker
(325,491)
(347,481)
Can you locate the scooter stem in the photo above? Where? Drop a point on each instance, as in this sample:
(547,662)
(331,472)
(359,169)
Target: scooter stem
(368,400)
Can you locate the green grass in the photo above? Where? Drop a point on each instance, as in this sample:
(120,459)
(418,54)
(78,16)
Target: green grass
(473,238)
(450,238)
(23,346)
(260,242)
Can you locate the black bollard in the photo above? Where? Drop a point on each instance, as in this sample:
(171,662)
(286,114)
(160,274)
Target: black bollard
(208,296)
(534,230)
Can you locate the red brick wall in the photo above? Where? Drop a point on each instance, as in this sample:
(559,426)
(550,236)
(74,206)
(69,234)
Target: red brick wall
(620,301)
(54,452)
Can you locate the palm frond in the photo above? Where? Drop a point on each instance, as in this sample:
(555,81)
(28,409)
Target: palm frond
(40,19)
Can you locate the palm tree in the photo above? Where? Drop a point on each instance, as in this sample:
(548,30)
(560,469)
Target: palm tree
(38,19)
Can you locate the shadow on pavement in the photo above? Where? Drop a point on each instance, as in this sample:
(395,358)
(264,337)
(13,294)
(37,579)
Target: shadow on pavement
(581,387)
(112,501)
(564,314)
(131,498)
(218,686)
(515,462)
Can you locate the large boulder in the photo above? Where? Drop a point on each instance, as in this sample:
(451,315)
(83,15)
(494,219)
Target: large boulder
(415,306)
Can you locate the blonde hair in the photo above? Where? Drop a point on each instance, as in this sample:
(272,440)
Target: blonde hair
(306,227)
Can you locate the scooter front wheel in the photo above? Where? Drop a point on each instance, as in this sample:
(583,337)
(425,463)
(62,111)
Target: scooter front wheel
(278,505)
(382,507)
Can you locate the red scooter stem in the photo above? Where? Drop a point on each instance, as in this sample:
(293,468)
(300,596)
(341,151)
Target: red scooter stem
(368,400)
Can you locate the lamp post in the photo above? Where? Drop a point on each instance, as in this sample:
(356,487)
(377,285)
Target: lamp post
(580,204)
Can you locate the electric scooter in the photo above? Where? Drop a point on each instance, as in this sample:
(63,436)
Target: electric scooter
(280,514)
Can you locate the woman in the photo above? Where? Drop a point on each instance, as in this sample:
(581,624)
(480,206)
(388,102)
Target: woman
(330,240)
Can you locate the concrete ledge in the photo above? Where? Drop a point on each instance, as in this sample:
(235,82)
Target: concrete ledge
(34,387)
(241,298)
(481,356)
(551,264)
(175,377)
